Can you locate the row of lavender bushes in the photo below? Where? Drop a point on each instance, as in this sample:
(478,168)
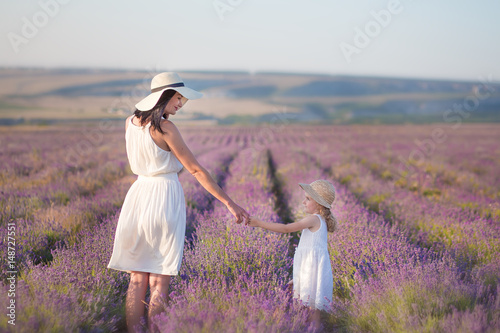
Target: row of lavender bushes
(51,189)
(459,169)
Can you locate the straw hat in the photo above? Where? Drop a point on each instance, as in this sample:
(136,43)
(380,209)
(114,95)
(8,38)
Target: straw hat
(162,82)
(322,191)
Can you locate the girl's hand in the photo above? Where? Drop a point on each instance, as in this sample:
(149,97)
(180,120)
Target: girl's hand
(253,222)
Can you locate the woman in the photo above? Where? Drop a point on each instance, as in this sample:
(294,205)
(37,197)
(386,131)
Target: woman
(149,238)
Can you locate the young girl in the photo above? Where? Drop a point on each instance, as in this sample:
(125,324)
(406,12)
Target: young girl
(312,271)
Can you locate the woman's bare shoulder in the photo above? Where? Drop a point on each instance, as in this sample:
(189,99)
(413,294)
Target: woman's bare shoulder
(127,121)
(169,127)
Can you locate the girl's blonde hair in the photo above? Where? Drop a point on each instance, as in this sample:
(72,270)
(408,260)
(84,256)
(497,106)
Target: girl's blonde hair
(330,219)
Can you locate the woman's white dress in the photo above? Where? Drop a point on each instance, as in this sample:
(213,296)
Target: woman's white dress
(312,270)
(152,223)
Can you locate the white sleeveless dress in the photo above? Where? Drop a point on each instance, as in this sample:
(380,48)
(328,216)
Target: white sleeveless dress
(312,270)
(152,223)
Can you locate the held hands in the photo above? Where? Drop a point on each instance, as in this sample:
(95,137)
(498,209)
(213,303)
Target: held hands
(238,212)
(242,215)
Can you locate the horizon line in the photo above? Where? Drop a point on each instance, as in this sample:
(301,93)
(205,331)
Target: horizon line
(241,71)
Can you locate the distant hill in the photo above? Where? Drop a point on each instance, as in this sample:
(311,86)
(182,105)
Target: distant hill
(375,86)
(238,97)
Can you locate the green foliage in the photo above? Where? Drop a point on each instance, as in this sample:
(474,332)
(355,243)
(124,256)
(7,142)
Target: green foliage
(386,175)
(61,198)
(375,201)
(346,180)
(191,204)
(430,192)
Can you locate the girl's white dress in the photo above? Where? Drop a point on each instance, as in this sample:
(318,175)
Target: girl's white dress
(312,270)
(152,223)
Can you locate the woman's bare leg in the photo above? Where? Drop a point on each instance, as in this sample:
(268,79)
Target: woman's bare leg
(158,285)
(316,318)
(136,295)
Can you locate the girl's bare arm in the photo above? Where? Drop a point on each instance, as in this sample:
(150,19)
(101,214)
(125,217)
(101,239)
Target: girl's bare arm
(310,221)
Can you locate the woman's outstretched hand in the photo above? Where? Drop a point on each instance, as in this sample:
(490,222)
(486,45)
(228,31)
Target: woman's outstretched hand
(238,212)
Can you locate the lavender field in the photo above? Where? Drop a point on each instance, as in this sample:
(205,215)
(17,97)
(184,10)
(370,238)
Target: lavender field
(417,249)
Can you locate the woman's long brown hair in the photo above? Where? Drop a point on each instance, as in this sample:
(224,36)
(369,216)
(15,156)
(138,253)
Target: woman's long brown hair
(155,115)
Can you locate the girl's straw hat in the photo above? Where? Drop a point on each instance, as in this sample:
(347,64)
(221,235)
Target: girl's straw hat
(162,82)
(322,191)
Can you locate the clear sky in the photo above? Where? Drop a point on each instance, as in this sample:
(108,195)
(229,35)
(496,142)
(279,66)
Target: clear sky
(446,39)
